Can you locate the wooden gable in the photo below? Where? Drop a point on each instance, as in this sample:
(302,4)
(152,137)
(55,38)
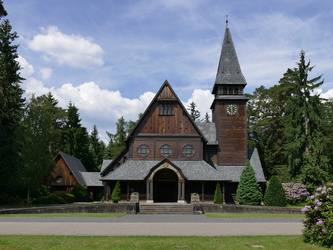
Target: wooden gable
(62,175)
(166,115)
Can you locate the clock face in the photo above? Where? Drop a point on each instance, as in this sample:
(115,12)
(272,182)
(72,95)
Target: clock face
(232,109)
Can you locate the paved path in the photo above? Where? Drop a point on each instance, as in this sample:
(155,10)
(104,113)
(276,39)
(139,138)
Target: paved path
(149,225)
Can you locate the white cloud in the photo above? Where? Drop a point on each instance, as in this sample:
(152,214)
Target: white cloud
(203,99)
(26,69)
(73,50)
(45,73)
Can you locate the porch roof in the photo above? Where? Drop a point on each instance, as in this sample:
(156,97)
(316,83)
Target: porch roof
(192,170)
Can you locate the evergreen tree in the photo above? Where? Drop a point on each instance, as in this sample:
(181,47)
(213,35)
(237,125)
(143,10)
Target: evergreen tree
(275,194)
(76,139)
(194,113)
(116,193)
(11,104)
(248,190)
(306,146)
(207,118)
(117,140)
(218,194)
(97,147)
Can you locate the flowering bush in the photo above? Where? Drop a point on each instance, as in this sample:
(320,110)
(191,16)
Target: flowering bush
(295,193)
(319,217)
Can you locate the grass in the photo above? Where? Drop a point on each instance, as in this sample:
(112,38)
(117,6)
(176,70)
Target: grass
(252,215)
(152,242)
(66,215)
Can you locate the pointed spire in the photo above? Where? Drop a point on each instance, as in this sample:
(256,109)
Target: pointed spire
(229,71)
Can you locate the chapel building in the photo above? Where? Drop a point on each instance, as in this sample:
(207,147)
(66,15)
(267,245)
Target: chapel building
(168,156)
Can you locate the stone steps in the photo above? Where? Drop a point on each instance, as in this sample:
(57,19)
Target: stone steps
(166,208)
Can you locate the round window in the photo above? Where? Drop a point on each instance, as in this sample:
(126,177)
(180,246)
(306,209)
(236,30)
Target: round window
(59,179)
(143,150)
(166,150)
(188,150)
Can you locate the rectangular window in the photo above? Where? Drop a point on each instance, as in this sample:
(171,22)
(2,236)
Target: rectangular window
(166,109)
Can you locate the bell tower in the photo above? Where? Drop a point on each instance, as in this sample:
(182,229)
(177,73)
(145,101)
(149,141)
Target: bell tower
(229,107)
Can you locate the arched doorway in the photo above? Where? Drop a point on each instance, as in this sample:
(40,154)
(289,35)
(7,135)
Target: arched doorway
(165,186)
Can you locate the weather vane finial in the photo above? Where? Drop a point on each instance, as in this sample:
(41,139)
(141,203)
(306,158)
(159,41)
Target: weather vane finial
(226,20)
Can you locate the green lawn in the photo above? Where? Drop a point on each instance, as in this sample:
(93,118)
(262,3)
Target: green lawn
(252,215)
(153,242)
(66,215)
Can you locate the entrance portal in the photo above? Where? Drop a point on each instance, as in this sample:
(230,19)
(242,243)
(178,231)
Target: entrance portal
(165,186)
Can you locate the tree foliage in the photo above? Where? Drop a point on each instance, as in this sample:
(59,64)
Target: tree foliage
(76,139)
(248,191)
(41,134)
(275,194)
(194,113)
(290,125)
(218,194)
(11,103)
(116,193)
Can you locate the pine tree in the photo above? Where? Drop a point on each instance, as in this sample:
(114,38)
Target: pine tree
(307,144)
(97,146)
(275,194)
(76,139)
(194,113)
(248,190)
(218,194)
(116,193)
(11,105)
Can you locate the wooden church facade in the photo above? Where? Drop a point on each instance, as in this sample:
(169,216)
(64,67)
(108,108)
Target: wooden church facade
(169,156)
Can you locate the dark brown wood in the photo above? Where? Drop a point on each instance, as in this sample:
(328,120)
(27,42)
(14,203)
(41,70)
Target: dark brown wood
(231,133)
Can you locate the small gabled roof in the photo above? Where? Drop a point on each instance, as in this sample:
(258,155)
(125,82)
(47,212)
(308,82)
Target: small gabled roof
(90,179)
(229,70)
(75,166)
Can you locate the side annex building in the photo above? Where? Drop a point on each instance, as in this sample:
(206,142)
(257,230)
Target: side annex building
(168,156)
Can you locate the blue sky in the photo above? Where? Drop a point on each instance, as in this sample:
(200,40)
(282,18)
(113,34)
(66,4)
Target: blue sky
(109,57)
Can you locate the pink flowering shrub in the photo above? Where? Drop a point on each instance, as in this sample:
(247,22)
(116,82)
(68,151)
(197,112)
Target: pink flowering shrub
(319,217)
(295,192)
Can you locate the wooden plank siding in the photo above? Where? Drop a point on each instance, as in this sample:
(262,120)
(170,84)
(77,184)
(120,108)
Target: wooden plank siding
(61,169)
(231,133)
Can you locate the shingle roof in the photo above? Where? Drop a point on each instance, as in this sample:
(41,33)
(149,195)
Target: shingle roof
(208,129)
(91,179)
(105,163)
(229,71)
(80,173)
(192,170)
(75,165)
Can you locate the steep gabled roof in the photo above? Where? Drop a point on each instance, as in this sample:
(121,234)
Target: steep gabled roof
(229,71)
(160,96)
(75,166)
(80,173)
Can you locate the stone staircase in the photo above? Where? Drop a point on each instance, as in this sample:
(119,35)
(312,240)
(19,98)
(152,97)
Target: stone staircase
(166,208)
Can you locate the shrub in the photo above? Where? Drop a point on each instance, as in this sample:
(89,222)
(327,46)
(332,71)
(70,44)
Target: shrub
(295,193)
(49,199)
(275,194)
(116,193)
(80,193)
(248,191)
(218,194)
(69,198)
(319,217)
